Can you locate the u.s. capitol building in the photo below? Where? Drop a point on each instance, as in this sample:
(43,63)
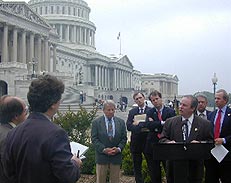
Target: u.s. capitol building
(57,37)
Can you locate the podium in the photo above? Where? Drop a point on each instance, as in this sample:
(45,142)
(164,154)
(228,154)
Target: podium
(182,151)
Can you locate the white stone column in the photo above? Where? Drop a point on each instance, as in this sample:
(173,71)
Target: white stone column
(96,75)
(23,47)
(130,80)
(88,36)
(46,54)
(5,44)
(15,45)
(89,73)
(74,36)
(105,77)
(115,78)
(77,34)
(49,58)
(84,35)
(61,32)
(67,33)
(39,52)
(80,35)
(100,76)
(109,77)
(93,39)
(54,57)
(31,47)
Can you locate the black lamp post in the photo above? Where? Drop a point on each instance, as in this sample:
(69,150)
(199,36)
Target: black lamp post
(214,80)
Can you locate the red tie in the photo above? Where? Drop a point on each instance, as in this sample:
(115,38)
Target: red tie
(159,115)
(217,125)
(160,118)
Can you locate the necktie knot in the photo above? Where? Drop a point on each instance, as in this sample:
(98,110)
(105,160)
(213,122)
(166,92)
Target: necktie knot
(141,110)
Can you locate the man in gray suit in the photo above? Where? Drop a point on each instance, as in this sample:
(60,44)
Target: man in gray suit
(109,137)
(188,128)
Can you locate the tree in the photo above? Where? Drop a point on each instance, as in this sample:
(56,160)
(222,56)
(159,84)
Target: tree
(77,124)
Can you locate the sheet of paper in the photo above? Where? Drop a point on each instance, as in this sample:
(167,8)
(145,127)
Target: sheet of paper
(219,152)
(140,118)
(77,146)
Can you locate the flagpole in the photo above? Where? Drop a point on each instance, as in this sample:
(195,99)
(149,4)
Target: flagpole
(119,37)
(120,45)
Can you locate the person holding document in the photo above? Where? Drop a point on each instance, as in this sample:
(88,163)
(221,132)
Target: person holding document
(109,136)
(136,124)
(221,121)
(37,150)
(187,128)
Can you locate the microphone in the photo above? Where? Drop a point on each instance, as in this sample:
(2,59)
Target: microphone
(184,132)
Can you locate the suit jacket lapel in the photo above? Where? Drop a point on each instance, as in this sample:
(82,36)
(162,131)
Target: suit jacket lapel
(103,124)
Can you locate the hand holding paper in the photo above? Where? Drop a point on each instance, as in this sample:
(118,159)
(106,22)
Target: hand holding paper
(78,149)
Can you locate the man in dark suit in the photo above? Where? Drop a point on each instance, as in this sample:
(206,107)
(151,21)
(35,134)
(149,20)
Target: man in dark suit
(199,129)
(221,122)
(138,134)
(109,136)
(202,104)
(154,122)
(13,111)
(37,150)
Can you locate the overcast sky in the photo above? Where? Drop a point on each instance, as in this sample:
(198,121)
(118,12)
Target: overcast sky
(189,38)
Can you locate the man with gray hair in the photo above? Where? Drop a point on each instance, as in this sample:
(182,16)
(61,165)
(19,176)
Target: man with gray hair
(202,104)
(109,136)
(221,121)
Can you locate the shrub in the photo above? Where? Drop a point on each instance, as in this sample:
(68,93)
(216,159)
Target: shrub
(127,164)
(78,125)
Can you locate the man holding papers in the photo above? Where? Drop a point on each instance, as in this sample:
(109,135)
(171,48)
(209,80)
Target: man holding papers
(109,136)
(136,124)
(221,121)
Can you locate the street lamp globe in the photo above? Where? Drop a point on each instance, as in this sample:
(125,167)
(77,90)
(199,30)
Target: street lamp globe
(214,80)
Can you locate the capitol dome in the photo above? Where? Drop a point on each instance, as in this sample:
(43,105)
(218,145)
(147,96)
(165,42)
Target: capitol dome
(70,19)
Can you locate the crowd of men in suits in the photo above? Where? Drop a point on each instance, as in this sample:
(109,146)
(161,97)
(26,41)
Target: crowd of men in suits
(163,126)
(33,149)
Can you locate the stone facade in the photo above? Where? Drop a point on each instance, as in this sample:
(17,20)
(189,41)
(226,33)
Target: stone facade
(57,37)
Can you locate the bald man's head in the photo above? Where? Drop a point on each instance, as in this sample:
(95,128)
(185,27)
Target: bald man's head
(12,109)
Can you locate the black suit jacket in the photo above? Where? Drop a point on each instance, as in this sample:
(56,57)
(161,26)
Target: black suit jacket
(155,126)
(38,151)
(138,138)
(4,129)
(225,129)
